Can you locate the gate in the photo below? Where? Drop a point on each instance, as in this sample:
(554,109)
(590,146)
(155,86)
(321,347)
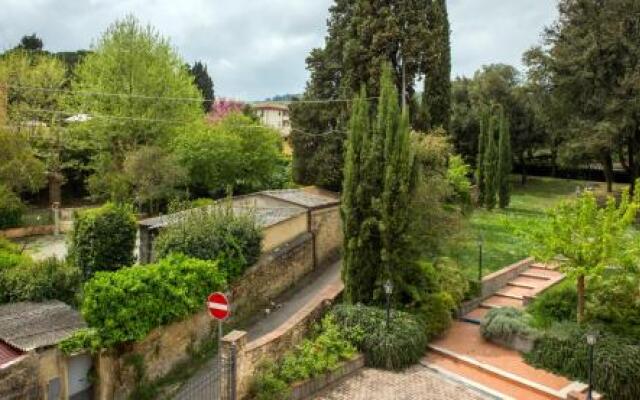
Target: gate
(215,380)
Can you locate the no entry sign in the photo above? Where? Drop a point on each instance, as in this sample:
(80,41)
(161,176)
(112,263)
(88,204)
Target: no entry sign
(218,306)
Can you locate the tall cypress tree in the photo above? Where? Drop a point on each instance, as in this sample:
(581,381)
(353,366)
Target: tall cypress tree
(504,162)
(482,144)
(436,97)
(379,181)
(491,163)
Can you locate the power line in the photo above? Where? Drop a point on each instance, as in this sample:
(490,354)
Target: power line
(184,99)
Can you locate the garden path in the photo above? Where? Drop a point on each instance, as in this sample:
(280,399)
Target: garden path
(463,354)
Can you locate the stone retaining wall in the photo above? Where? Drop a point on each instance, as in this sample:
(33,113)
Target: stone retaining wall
(19,381)
(497,280)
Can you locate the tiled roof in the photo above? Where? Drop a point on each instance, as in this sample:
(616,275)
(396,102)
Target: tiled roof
(8,353)
(304,198)
(27,326)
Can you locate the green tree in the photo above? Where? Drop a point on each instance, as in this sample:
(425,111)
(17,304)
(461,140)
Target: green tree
(235,152)
(204,83)
(589,238)
(436,97)
(490,164)
(30,43)
(504,161)
(362,35)
(377,194)
(138,86)
(20,169)
(483,139)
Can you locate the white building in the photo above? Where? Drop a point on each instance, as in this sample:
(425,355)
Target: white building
(275,116)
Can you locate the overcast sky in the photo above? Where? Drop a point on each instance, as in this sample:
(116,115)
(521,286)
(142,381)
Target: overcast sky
(256,48)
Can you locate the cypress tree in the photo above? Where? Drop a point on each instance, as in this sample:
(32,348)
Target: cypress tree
(482,143)
(379,181)
(504,162)
(436,100)
(491,164)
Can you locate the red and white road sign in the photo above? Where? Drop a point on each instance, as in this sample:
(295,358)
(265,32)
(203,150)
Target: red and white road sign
(218,306)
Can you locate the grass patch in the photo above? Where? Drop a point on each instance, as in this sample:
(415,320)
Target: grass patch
(500,246)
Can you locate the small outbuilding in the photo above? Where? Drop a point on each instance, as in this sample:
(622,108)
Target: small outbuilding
(31,366)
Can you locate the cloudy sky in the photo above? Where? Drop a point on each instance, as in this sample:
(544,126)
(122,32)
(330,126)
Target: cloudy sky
(256,48)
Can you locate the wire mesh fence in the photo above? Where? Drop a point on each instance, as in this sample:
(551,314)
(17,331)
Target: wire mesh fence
(213,382)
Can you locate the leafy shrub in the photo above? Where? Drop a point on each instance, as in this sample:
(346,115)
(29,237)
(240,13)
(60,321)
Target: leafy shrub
(563,349)
(11,208)
(615,302)
(80,340)
(103,239)
(504,323)
(41,280)
(311,358)
(213,233)
(556,304)
(397,347)
(458,177)
(201,202)
(435,313)
(125,305)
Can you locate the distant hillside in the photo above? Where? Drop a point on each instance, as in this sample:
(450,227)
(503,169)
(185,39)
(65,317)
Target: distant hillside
(284,97)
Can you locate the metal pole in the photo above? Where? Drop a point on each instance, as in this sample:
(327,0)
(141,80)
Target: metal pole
(233,370)
(220,362)
(590,394)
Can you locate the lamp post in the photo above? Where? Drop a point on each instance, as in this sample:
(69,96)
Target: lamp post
(591,341)
(480,241)
(388,289)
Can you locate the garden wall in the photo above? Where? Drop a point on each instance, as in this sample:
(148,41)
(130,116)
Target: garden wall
(20,379)
(326,226)
(496,280)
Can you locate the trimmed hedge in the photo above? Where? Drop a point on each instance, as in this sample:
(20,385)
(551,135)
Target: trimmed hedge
(125,305)
(563,349)
(397,347)
(213,233)
(103,239)
(11,208)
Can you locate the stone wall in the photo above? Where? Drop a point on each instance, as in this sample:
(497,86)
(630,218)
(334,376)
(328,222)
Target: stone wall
(19,380)
(326,226)
(274,273)
(163,349)
(278,234)
(496,280)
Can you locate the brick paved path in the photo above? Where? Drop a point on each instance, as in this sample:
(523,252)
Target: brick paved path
(415,383)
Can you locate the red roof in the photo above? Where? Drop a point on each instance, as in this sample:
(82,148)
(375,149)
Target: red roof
(8,353)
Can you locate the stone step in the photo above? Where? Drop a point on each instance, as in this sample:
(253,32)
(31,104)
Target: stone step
(520,285)
(497,301)
(530,274)
(509,385)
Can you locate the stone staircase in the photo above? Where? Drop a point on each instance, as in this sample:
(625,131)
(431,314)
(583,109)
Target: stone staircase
(463,355)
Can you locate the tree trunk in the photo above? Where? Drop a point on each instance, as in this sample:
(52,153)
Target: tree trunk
(523,165)
(607,166)
(581,298)
(554,158)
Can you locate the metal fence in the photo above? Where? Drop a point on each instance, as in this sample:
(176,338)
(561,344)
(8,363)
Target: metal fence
(215,381)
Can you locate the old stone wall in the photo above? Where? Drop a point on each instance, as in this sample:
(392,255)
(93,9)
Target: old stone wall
(19,381)
(275,272)
(283,232)
(160,352)
(326,226)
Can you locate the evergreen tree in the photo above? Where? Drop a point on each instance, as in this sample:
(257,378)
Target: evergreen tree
(379,180)
(30,43)
(504,162)
(436,97)
(480,164)
(203,81)
(491,177)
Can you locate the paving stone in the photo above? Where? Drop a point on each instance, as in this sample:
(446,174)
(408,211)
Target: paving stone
(414,383)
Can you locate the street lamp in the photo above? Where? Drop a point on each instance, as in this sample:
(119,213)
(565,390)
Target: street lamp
(388,289)
(591,341)
(480,241)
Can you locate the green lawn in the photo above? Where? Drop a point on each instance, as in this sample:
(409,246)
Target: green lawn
(500,246)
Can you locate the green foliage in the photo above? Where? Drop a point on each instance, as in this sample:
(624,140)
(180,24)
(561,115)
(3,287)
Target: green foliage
(435,311)
(588,237)
(23,279)
(11,208)
(505,323)
(204,83)
(214,233)
(81,340)
(125,305)
(376,208)
(491,156)
(397,347)
(615,302)
(234,152)
(103,239)
(20,169)
(556,304)
(504,161)
(311,358)
(458,178)
(564,350)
